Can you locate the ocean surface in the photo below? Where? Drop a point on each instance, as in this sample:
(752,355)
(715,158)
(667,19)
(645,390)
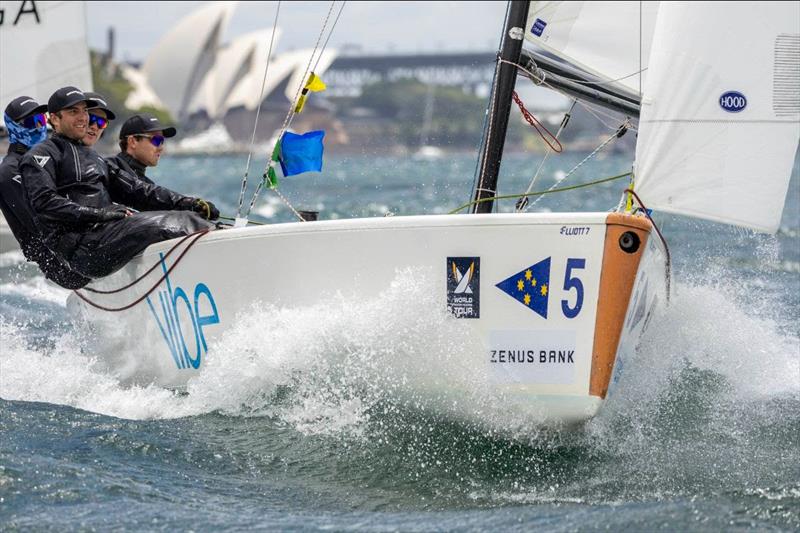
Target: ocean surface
(702,435)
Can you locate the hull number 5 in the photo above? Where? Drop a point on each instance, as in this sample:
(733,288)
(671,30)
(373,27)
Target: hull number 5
(571,281)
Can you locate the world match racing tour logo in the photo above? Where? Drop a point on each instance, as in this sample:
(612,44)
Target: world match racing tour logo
(463,286)
(178,311)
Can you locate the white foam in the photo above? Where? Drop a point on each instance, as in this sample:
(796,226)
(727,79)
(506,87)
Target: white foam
(326,368)
(37,288)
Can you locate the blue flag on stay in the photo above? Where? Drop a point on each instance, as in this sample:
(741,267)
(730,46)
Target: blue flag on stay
(530,287)
(301,153)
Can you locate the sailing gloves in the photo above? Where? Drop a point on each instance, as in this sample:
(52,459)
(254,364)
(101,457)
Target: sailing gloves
(114,212)
(205,209)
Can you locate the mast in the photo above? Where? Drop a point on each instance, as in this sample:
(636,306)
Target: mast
(500,104)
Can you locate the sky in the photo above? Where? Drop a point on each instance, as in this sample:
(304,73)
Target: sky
(377,27)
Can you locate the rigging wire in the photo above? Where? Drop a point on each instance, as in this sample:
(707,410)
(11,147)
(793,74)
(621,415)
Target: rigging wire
(258,112)
(290,115)
(477,180)
(522,203)
(619,133)
(589,107)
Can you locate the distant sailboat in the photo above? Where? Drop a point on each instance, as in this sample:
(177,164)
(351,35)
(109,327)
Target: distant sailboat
(426,151)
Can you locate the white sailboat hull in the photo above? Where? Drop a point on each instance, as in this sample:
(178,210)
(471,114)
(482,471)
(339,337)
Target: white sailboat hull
(550,355)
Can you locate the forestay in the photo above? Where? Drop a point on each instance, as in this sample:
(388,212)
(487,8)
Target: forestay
(720,119)
(42,47)
(602,38)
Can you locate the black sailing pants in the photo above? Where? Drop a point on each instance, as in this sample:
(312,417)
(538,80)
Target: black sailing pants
(108,246)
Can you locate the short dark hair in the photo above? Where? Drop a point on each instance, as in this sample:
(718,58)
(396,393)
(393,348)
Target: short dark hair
(123,145)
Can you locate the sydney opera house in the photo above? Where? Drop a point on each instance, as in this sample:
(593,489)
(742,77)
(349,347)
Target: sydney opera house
(206,84)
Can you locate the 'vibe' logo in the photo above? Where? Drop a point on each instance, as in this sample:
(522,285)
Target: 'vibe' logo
(182,320)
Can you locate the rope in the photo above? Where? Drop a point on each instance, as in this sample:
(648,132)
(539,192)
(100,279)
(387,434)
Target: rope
(619,133)
(149,270)
(539,193)
(522,203)
(538,126)
(197,237)
(492,106)
(668,265)
(537,81)
(291,113)
(258,112)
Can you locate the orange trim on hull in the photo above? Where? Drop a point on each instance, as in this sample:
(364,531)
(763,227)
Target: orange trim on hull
(616,285)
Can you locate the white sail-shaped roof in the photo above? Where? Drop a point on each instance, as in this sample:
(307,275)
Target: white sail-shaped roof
(141,93)
(290,65)
(720,119)
(603,38)
(177,65)
(42,48)
(233,63)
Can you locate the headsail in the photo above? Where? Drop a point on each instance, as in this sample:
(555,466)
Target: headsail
(720,119)
(602,38)
(43,47)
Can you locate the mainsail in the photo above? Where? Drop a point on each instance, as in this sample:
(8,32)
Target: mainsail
(720,119)
(42,47)
(602,38)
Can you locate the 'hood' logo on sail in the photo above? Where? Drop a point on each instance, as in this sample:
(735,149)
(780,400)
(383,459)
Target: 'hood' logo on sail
(732,101)
(463,286)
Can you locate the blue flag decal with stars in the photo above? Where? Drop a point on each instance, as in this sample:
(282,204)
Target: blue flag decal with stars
(530,287)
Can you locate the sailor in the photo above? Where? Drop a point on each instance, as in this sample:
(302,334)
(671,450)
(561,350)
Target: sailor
(99,118)
(141,142)
(27,126)
(68,187)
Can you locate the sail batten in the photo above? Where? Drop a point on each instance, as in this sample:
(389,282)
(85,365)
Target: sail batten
(720,118)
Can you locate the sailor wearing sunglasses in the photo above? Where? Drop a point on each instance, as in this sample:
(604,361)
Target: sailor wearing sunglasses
(84,213)
(99,118)
(141,142)
(27,126)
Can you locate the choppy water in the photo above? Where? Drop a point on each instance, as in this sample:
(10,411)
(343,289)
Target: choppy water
(703,433)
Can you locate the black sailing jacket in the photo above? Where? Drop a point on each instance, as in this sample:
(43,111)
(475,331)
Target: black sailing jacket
(20,219)
(70,187)
(126,162)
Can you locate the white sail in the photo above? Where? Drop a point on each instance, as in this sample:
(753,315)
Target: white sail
(603,38)
(42,48)
(720,120)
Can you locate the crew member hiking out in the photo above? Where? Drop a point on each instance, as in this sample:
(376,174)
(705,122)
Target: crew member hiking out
(68,186)
(27,126)
(141,143)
